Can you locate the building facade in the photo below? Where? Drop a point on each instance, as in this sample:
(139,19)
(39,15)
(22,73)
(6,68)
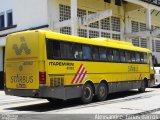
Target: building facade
(131,20)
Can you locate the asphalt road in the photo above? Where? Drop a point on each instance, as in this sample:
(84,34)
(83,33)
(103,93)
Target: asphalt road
(119,105)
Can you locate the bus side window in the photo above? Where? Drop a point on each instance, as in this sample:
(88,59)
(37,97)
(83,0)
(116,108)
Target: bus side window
(77,51)
(95,53)
(86,52)
(128,56)
(133,57)
(142,57)
(110,54)
(66,51)
(53,49)
(56,49)
(116,56)
(145,57)
(103,54)
(49,49)
(138,59)
(122,56)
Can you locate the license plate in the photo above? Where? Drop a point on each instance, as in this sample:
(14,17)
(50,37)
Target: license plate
(21,85)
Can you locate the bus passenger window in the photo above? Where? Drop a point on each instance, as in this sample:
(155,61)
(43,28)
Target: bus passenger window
(86,52)
(66,51)
(122,56)
(145,57)
(53,49)
(110,54)
(128,56)
(102,53)
(142,58)
(95,53)
(138,59)
(116,56)
(133,57)
(77,51)
(49,49)
(56,49)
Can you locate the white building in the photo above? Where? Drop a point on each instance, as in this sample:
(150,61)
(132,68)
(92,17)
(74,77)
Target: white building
(131,20)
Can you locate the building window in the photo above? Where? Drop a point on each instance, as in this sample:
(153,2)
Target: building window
(116,24)
(157,45)
(107,27)
(65,12)
(9,18)
(116,36)
(135,41)
(105,24)
(153,45)
(93,34)
(81,12)
(143,42)
(65,30)
(105,35)
(82,32)
(2,24)
(142,27)
(157,27)
(135,27)
(95,24)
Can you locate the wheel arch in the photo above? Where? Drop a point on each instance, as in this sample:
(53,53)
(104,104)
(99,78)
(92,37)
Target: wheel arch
(92,84)
(95,86)
(105,81)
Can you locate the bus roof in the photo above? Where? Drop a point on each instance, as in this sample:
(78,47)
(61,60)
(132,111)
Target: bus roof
(106,42)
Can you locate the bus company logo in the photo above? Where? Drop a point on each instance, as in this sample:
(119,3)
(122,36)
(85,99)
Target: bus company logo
(80,75)
(23,47)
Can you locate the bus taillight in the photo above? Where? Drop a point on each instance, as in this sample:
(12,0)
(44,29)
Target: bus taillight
(42,77)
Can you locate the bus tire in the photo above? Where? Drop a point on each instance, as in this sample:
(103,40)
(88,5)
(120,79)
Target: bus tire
(87,93)
(143,87)
(102,92)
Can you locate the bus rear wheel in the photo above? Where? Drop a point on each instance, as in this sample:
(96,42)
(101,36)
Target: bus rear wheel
(143,87)
(87,93)
(102,92)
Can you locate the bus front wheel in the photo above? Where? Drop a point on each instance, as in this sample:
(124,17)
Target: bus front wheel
(143,87)
(102,92)
(87,93)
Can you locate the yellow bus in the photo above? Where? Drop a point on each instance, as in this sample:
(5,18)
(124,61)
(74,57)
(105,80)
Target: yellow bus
(54,66)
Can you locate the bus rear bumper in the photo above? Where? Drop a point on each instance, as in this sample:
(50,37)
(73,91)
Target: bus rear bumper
(64,93)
